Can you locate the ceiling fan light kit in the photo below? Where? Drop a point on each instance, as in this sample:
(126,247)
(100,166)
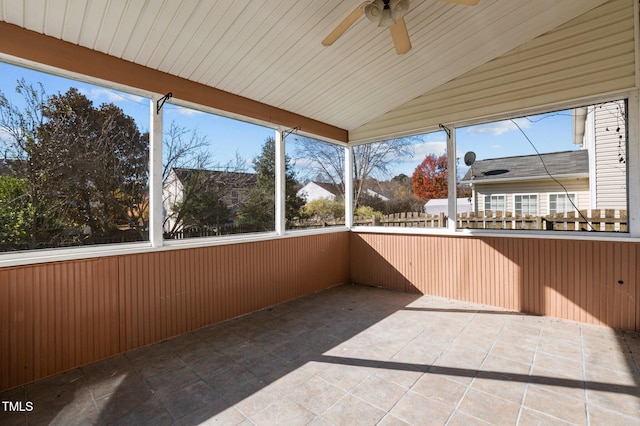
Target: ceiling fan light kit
(387,14)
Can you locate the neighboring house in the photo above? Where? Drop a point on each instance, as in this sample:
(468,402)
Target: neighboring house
(315,190)
(521,184)
(594,176)
(600,129)
(230,186)
(436,206)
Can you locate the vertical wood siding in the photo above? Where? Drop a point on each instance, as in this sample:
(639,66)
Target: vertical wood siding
(590,55)
(574,280)
(57,316)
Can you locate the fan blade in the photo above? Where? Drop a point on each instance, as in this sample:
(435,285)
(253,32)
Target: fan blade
(465,2)
(400,37)
(343,26)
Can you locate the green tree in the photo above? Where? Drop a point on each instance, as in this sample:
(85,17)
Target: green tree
(202,204)
(258,210)
(20,125)
(98,160)
(324,209)
(85,167)
(16,212)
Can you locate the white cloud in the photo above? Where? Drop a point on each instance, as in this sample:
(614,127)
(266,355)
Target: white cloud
(5,137)
(499,127)
(98,93)
(186,111)
(421,150)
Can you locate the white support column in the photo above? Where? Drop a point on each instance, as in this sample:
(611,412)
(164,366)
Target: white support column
(155,175)
(633,164)
(452,178)
(348,186)
(281,189)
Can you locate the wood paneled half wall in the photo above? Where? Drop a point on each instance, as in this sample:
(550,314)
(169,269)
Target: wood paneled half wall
(58,316)
(593,282)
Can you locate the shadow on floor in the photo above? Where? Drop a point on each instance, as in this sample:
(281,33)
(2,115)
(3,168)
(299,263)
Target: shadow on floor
(353,354)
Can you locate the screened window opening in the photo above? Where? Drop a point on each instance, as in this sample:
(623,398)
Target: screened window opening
(402,182)
(73,163)
(218,175)
(315,184)
(562,170)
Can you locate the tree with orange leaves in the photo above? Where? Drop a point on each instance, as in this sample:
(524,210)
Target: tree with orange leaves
(429,179)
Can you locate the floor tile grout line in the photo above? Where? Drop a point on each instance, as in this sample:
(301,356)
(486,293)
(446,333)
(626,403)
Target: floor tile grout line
(631,357)
(93,398)
(388,411)
(147,383)
(587,407)
(347,393)
(466,391)
(421,333)
(526,386)
(435,360)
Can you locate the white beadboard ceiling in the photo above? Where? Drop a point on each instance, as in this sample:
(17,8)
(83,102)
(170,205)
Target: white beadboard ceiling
(270,51)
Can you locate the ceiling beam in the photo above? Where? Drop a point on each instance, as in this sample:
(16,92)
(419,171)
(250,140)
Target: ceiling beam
(42,49)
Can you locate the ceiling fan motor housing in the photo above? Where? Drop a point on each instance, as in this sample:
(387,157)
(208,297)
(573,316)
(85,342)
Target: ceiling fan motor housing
(386,12)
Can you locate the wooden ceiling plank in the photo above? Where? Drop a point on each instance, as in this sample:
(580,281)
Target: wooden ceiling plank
(55,18)
(162,24)
(126,26)
(12,11)
(34,14)
(72,22)
(203,16)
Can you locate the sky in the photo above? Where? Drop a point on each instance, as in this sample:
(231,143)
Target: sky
(229,137)
(226,136)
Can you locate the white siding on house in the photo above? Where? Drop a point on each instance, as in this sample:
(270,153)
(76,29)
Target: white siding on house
(588,56)
(172,192)
(610,174)
(313,191)
(542,188)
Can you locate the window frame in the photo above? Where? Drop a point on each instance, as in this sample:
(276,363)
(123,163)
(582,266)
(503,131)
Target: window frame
(501,195)
(632,95)
(567,198)
(527,194)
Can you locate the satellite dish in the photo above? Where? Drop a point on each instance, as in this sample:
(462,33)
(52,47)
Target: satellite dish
(469,158)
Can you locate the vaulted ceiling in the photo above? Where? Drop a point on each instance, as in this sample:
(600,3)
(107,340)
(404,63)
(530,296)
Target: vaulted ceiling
(271,51)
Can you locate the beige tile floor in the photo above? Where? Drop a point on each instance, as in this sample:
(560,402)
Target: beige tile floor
(357,355)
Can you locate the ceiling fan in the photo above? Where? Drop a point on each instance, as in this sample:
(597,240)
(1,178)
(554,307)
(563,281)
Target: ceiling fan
(386,13)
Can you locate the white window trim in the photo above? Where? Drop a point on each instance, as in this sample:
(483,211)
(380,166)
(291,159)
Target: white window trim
(74,253)
(527,194)
(633,160)
(484,201)
(575,200)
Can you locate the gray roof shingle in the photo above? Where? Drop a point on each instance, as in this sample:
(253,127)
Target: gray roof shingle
(529,167)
